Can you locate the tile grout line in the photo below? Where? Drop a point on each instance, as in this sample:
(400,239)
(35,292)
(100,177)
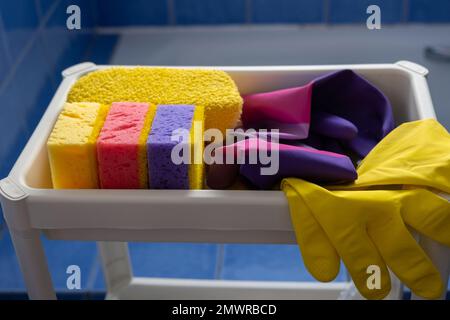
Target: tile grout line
(406,9)
(50,11)
(4,43)
(93,273)
(45,18)
(39,12)
(220,259)
(248,11)
(326,12)
(171,16)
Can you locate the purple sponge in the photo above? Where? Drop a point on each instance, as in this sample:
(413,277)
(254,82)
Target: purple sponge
(163,173)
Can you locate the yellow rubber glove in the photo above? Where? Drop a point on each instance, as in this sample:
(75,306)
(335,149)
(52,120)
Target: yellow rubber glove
(415,153)
(366,226)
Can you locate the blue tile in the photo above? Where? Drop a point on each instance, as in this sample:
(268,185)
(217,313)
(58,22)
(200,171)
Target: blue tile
(15,137)
(74,53)
(20,21)
(19,97)
(429,11)
(61,254)
(168,260)
(132,12)
(350,11)
(102,48)
(266,263)
(99,283)
(287,11)
(55,36)
(5,61)
(67,47)
(44,6)
(41,103)
(174,260)
(88,9)
(209,11)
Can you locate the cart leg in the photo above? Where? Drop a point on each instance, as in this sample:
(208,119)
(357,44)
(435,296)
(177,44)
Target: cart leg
(440,255)
(27,242)
(116,266)
(33,264)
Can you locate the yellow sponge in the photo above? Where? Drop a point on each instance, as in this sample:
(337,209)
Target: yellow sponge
(142,147)
(213,89)
(72,145)
(196,169)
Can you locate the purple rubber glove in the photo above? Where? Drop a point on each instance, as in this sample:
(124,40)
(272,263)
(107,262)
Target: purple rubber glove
(293,161)
(348,112)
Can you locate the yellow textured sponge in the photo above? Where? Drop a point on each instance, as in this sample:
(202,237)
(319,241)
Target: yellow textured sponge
(72,145)
(213,89)
(196,169)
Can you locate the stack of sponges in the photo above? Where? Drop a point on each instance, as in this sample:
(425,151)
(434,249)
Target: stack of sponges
(129,147)
(213,89)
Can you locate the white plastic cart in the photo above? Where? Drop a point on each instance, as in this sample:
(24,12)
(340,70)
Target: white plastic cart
(31,207)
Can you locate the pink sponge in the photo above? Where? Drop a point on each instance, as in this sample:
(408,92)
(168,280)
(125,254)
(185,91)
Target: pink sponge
(121,147)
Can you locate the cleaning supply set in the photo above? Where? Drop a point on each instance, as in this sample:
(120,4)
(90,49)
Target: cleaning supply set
(336,131)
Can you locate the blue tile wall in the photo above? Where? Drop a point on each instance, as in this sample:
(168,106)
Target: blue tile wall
(20,21)
(250,262)
(209,11)
(132,12)
(429,11)
(118,13)
(287,11)
(177,260)
(30,76)
(351,11)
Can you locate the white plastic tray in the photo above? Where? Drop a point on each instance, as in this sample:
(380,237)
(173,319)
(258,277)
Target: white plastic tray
(30,204)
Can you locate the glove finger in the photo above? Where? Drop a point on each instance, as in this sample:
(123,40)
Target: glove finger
(358,254)
(431,215)
(319,255)
(333,126)
(406,259)
(346,233)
